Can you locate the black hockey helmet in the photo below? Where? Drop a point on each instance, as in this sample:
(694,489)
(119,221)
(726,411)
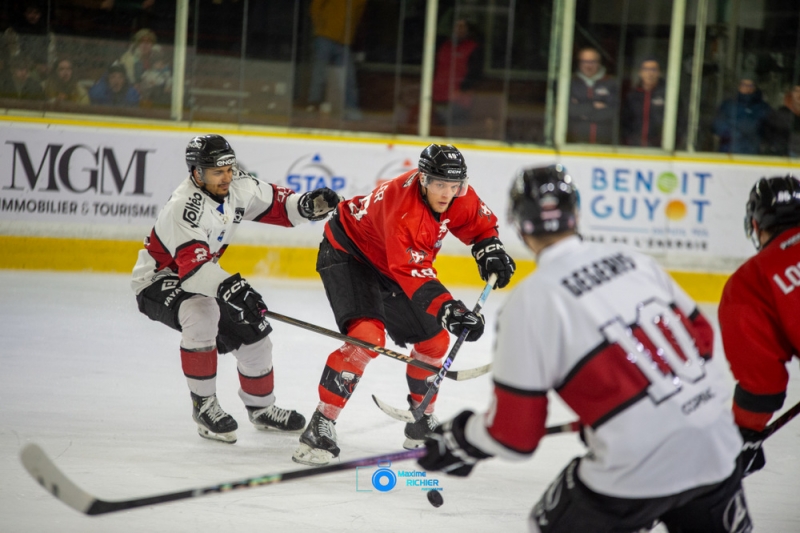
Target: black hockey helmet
(774,203)
(443,162)
(543,200)
(207,151)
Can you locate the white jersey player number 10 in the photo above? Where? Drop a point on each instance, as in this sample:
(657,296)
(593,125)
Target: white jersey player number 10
(678,358)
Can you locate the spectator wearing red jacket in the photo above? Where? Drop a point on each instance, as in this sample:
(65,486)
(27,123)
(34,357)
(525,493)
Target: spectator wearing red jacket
(643,110)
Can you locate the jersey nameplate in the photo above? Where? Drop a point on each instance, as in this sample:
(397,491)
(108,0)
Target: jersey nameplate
(588,277)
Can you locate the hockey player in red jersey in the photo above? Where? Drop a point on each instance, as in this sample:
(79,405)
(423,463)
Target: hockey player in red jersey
(608,330)
(376,263)
(178,282)
(759,313)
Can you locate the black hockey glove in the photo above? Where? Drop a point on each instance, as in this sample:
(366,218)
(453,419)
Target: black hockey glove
(752,455)
(491,256)
(448,450)
(455,317)
(243,304)
(316,204)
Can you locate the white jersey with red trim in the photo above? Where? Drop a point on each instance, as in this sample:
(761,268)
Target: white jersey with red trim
(627,349)
(193,230)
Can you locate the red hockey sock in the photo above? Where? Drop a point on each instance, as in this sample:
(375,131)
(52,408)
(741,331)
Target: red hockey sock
(345,366)
(431,351)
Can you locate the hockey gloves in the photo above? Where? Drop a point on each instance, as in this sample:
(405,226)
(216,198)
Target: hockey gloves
(752,455)
(455,318)
(243,304)
(316,204)
(491,256)
(448,450)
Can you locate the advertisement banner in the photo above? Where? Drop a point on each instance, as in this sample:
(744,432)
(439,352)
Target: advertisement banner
(122,177)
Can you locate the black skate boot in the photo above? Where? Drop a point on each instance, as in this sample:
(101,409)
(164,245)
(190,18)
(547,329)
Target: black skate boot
(417,432)
(212,422)
(273,417)
(318,442)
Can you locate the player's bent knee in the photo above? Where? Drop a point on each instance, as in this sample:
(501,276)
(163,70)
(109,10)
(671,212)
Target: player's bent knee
(368,330)
(433,349)
(256,358)
(198,317)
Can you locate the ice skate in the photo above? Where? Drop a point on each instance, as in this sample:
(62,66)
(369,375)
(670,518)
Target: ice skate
(212,422)
(318,442)
(417,432)
(274,417)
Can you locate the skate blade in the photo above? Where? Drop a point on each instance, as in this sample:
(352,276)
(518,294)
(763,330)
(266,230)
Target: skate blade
(228,438)
(264,427)
(413,444)
(306,455)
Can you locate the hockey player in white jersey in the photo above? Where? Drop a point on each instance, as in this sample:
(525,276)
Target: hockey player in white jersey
(178,282)
(608,330)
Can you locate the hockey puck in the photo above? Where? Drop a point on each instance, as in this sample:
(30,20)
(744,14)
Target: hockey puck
(435,497)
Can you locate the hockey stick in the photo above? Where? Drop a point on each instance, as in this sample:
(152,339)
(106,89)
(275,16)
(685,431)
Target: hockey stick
(777,424)
(781,421)
(412,415)
(457,375)
(42,468)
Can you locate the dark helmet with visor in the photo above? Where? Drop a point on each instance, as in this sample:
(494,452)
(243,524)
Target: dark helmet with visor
(209,151)
(774,203)
(443,162)
(543,200)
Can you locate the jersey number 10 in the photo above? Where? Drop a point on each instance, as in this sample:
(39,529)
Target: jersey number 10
(660,346)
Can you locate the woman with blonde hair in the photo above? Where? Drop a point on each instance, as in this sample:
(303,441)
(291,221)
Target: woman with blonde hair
(137,58)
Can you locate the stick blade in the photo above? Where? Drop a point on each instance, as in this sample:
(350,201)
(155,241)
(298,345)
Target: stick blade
(403,415)
(44,470)
(469,373)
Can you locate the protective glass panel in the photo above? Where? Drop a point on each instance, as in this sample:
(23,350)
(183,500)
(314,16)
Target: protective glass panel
(617,92)
(87,56)
(749,97)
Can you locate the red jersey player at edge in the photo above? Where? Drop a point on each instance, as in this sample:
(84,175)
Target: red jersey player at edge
(178,282)
(376,263)
(613,335)
(759,313)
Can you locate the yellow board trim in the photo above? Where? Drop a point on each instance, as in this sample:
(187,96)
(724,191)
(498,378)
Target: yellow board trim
(90,255)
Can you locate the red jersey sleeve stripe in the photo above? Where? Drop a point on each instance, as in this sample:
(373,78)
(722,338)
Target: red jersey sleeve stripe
(519,418)
(603,384)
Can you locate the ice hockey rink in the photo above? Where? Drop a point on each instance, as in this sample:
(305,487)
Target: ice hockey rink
(100,388)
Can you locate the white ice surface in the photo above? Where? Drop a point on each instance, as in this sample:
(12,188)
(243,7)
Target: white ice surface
(100,388)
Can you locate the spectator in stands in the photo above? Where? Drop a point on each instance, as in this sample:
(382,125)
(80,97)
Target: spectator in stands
(63,86)
(592,101)
(17,82)
(458,67)
(113,89)
(783,125)
(335,23)
(156,82)
(33,38)
(740,121)
(138,58)
(643,110)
